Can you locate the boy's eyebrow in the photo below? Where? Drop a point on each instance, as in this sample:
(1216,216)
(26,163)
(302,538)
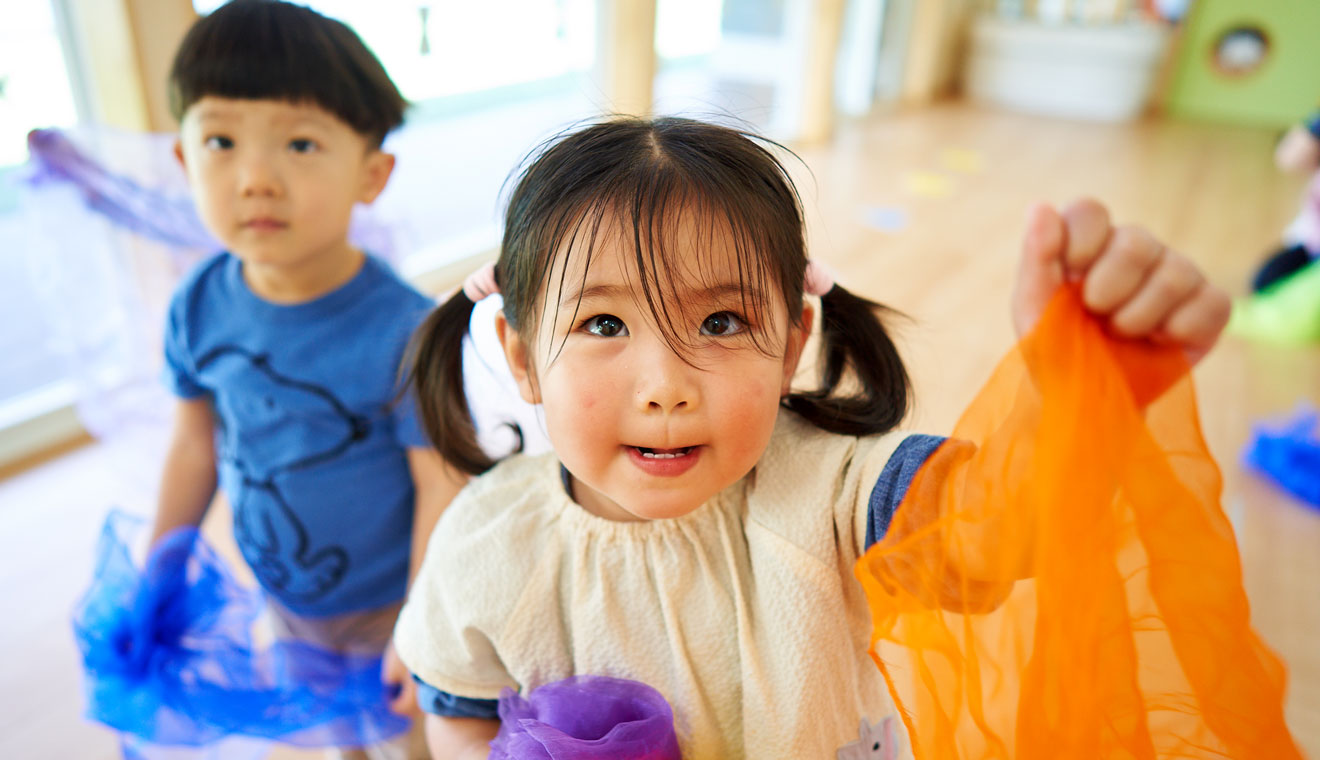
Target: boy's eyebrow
(215,114)
(712,293)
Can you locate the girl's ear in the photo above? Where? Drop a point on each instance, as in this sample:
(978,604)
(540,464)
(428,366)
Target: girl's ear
(515,353)
(797,340)
(178,153)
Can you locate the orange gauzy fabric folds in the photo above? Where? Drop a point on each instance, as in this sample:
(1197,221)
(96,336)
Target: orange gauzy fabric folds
(1130,637)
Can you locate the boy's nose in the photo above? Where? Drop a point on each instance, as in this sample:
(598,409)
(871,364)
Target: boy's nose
(258,180)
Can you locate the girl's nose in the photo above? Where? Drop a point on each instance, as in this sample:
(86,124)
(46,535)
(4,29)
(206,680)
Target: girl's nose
(666,384)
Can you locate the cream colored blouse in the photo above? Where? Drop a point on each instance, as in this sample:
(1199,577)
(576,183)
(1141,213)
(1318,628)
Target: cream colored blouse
(744,614)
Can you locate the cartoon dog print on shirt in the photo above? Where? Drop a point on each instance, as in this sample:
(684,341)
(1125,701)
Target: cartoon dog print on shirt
(273,539)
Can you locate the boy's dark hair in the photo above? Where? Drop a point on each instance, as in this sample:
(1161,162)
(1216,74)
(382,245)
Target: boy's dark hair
(648,176)
(271,50)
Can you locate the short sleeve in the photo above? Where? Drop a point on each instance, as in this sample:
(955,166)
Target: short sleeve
(179,373)
(408,430)
(892,485)
(437,702)
(463,598)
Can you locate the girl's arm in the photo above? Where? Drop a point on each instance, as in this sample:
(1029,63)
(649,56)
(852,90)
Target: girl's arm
(460,738)
(188,481)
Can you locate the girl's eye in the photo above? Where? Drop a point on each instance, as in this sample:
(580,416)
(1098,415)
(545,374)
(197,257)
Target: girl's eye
(606,326)
(723,323)
(218,142)
(302,145)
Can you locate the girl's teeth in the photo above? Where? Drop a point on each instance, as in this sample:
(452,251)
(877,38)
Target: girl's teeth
(674,455)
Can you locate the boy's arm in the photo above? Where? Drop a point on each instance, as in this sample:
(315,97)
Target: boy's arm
(436,484)
(188,481)
(460,738)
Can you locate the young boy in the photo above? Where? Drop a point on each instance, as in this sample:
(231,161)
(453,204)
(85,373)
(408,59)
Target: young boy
(284,351)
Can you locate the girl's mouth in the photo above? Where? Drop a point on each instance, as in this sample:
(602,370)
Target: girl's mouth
(664,453)
(665,463)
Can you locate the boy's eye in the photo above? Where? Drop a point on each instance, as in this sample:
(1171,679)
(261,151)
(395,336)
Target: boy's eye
(302,145)
(606,326)
(218,142)
(722,323)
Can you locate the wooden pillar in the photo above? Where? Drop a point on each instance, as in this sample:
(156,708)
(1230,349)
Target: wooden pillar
(939,30)
(625,54)
(158,28)
(125,48)
(824,31)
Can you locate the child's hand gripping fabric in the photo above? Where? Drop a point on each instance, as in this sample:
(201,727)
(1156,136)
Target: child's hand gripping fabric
(1080,466)
(1135,285)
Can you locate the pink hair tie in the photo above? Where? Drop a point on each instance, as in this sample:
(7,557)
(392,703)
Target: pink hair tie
(820,278)
(481,283)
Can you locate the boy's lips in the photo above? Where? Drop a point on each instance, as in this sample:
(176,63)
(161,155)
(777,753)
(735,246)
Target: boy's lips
(664,462)
(264,224)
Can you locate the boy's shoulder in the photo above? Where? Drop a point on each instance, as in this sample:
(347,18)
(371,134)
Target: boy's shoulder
(198,284)
(388,283)
(203,275)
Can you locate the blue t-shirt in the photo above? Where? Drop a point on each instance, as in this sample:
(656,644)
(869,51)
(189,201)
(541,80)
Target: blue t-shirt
(310,444)
(890,488)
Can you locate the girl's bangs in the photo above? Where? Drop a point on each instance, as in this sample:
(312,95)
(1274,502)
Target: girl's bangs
(678,238)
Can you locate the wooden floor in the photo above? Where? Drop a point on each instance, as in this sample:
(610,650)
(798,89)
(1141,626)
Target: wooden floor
(924,212)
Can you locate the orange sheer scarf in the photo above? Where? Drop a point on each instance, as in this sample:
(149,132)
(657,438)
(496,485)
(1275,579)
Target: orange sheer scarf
(1131,637)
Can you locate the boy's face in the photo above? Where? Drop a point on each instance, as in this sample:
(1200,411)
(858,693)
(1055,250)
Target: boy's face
(276,181)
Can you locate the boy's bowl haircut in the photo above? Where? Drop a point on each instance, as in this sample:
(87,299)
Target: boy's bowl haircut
(271,50)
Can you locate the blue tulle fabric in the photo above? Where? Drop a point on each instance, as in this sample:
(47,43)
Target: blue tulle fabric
(169,659)
(586,718)
(1289,454)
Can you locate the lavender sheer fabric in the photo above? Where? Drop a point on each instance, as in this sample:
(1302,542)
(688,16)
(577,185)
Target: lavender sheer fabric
(586,718)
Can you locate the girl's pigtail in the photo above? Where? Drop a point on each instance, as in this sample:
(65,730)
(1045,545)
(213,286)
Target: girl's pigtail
(853,336)
(435,376)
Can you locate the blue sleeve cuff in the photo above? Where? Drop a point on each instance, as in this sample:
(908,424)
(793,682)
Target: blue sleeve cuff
(437,702)
(892,485)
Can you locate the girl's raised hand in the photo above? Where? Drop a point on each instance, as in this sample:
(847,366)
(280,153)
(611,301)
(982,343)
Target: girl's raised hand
(1140,288)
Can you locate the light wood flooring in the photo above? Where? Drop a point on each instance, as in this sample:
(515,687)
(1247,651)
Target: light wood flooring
(922,211)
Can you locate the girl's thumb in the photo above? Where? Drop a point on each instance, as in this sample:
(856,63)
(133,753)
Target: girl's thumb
(1040,271)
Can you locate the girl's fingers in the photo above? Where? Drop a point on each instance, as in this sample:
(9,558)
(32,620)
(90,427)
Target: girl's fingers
(1088,230)
(1166,288)
(1118,273)
(1199,320)
(1040,271)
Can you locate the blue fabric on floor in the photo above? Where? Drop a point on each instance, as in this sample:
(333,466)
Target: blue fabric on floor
(169,660)
(1289,454)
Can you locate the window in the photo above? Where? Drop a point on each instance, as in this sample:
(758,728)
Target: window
(35,91)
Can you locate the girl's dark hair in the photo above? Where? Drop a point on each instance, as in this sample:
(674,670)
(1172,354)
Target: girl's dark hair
(270,50)
(646,177)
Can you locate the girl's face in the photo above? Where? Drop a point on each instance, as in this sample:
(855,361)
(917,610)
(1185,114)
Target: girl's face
(644,432)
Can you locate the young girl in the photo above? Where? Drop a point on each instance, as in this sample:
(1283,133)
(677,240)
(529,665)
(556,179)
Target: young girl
(696,525)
